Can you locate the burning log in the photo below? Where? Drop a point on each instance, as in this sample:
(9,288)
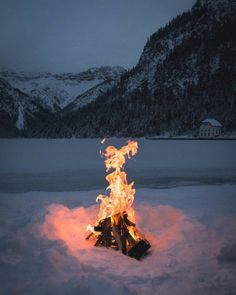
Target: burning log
(116,227)
(115,232)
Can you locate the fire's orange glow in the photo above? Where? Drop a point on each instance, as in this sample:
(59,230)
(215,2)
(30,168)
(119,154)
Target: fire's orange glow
(122,193)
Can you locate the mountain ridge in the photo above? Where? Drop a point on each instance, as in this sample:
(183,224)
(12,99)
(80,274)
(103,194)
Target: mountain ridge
(55,91)
(185,73)
(30,101)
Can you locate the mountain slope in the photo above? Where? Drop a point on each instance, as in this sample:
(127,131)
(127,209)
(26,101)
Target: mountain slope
(19,114)
(55,91)
(186,72)
(90,95)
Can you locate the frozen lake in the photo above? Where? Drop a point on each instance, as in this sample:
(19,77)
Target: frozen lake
(75,164)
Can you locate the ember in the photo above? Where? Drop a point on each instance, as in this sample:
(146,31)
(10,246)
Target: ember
(116,227)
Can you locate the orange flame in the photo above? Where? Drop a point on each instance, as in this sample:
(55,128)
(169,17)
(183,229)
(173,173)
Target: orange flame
(122,193)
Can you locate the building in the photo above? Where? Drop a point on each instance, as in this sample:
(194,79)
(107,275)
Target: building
(210,128)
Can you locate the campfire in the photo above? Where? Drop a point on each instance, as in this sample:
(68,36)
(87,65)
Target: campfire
(116,227)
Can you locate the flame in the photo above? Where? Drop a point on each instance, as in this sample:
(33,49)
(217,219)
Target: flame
(116,226)
(122,193)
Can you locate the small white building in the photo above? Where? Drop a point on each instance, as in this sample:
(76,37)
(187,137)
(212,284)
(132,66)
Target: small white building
(210,128)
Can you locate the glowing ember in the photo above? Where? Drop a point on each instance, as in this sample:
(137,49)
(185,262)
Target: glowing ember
(116,219)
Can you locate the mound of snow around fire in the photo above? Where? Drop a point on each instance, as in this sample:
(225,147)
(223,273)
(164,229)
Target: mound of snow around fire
(191,229)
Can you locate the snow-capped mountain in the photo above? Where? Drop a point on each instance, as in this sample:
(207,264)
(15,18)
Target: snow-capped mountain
(186,73)
(206,17)
(56,91)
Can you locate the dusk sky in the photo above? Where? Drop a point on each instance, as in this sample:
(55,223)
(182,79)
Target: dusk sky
(74,35)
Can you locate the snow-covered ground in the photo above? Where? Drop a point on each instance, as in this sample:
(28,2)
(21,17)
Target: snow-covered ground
(192,231)
(185,205)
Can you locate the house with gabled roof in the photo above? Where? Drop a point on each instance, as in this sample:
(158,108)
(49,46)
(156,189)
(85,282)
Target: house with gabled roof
(210,127)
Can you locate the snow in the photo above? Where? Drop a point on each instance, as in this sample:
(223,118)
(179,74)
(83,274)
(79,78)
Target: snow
(151,59)
(59,90)
(91,94)
(50,87)
(185,205)
(213,122)
(20,119)
(191,229)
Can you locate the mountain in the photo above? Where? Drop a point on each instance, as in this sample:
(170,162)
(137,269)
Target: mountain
(93,93)
(186,72)
(56,91)
(32,104)
(20,115)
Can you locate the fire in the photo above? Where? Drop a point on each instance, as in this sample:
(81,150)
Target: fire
(121,192)
(116,218)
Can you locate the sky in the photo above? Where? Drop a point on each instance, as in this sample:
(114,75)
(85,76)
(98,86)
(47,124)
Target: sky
(74,35)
